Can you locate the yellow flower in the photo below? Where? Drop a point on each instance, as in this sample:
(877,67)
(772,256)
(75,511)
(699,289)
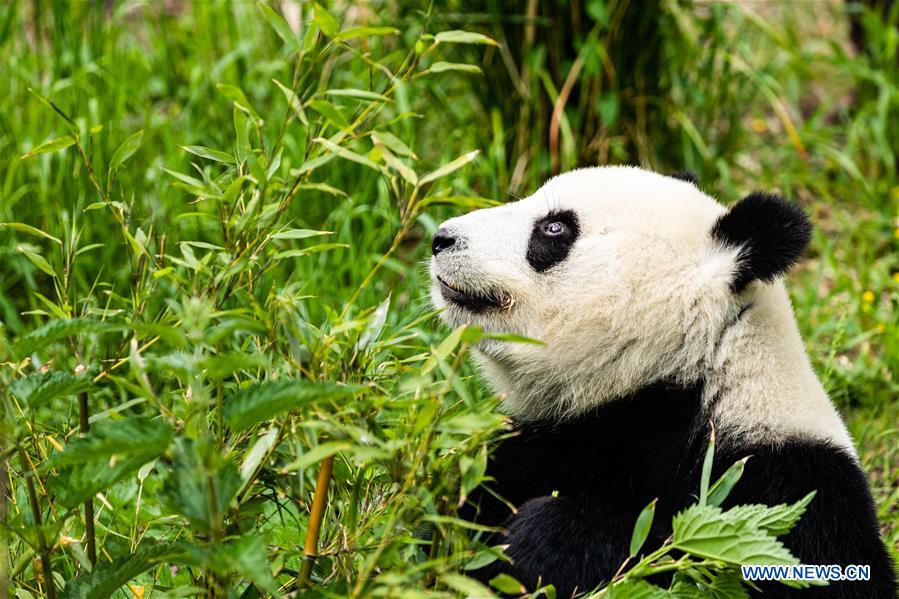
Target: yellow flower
(896,276)
(759,126)
(868,297)
(896,233)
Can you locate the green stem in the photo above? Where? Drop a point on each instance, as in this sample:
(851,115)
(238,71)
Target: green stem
(44,551)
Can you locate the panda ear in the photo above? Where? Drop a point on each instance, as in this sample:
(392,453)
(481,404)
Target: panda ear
(770,233)
(688,176)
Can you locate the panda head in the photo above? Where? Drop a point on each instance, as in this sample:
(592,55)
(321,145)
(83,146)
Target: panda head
(625,277)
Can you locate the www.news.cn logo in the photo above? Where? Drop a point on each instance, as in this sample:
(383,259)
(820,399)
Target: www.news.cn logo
(806,572)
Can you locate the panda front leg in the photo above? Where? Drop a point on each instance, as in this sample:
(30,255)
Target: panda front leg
(554,540)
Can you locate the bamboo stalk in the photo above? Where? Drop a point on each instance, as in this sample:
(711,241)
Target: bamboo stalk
(44,551)
(316,515)
(89,533)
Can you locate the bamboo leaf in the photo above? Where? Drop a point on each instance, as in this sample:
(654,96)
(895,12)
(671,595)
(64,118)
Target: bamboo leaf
(446,169)
(126,150)
(60,143)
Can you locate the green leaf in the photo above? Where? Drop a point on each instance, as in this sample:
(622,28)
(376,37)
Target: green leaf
(507,585)
(280,26)
(317,454)
(707,470)
(58,329)
(457,36)
(443,67)
(126,150)
(355,32)
(313,249)
(202,484)
(325,21)
(348,154)
(360,94)
(725,484)
(330,112)
(466,585)
(53,145)
(777,520)
(236,95)
(449,168)
(263,401)
(23,228)
(211,154)
(37,260)
(636,589)
(108,577)
(299,234)
(399,166)
(74,484)
(116,438)
(293,101)
(705,531)
(42,387)
(642,528)
(393,143)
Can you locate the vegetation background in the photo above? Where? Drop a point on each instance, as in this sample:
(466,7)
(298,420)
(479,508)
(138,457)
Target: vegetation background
(215,216)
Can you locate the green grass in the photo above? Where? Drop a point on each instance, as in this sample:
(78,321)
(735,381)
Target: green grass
(236,299)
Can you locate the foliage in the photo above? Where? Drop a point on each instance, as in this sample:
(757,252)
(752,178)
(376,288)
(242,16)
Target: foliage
(211,218)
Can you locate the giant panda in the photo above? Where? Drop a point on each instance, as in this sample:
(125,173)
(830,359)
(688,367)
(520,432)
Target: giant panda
(662,316)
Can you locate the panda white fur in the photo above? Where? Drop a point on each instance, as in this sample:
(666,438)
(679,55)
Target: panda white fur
(661,314)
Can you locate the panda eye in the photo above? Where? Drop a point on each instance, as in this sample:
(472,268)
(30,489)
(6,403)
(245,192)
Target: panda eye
(555,229)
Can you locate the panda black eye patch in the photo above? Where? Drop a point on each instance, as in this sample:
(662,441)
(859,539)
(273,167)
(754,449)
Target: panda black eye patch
(551,239)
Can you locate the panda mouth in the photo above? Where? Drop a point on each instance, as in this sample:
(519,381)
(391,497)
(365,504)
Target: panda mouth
(475,301)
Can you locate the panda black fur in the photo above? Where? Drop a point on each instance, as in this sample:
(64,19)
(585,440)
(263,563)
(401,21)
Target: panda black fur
(662,315)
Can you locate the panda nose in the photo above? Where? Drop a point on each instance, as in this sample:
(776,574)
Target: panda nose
(443,240)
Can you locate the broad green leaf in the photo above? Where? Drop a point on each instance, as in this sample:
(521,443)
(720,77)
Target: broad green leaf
(636,589)
(457,36)
(325,21)
(293,101)
(53,145)
(360,94)
(245,556)
(356,32)
(126,150)
(443,67)
(76,483)
(201,485)
(446,169)
(225,364)
(42,387)
(280,26)
(119,438)
(108,577)
(23,228)
(705,531)
(58,329)
(211,154)
(263,401)
(777,520)
(642,528)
